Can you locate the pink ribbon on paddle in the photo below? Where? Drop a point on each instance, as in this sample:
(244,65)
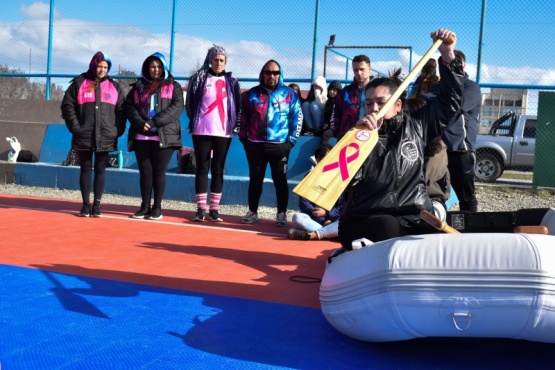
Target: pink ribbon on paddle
(343,161)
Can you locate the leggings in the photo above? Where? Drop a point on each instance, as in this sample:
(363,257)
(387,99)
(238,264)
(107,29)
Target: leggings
(86,164)
(219,146)
(153,162)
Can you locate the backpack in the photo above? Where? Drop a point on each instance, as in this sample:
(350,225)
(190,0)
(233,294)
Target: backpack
(186,160)
(72,158)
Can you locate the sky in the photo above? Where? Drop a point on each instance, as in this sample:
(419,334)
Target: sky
(517,45)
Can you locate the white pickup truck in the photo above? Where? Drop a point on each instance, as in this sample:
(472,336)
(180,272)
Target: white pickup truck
(510,144)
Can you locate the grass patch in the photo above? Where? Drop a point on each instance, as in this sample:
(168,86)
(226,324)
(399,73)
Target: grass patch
(512,190)
(507,175)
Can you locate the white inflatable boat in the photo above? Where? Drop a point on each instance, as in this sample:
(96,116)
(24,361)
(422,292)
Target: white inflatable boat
(445,285)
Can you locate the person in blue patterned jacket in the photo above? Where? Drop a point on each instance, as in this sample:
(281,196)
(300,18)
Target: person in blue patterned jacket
(270,123)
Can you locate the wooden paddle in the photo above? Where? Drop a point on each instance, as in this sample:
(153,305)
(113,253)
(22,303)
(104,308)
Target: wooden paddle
(327,181)
(437,223)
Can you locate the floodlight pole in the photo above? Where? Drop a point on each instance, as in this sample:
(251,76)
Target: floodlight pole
(49,51)
(315,42)
(172,41)
(480,44)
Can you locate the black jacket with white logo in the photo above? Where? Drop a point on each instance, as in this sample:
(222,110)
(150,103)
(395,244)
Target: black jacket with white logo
(391,180)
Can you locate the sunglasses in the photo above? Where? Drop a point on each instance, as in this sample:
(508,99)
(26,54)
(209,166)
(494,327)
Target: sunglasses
(268,72)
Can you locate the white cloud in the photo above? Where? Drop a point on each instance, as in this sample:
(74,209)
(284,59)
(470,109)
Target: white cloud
(75,41)
(38,10)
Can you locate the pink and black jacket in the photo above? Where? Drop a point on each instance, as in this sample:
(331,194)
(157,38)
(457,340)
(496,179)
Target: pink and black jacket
(95,118)
(169,106)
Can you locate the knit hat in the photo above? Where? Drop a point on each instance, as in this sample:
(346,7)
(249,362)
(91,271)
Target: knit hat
(212,52)
(95,61)
(200,75)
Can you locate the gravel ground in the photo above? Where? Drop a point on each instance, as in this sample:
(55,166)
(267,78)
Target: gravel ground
(490,199)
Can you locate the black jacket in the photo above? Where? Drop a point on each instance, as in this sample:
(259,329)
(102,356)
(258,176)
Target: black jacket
(169,107)
(391,180)
(460,136)
(95,118)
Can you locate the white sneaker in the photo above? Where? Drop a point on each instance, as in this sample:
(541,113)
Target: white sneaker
(439,210)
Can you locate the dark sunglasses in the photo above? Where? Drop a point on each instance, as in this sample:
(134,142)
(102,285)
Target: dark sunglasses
(275,73)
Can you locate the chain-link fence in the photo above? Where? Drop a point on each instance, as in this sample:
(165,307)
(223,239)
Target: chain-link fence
(506,44)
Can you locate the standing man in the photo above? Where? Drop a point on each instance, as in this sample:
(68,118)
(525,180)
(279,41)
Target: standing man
(270,123)
(460,138)
(349,104)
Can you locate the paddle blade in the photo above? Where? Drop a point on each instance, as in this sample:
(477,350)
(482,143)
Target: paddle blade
(327,181)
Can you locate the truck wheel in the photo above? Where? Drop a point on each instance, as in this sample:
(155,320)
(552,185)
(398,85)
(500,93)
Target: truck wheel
(488,168)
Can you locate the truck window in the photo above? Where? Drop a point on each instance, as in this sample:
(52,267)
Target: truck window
(504,126)
(530,129)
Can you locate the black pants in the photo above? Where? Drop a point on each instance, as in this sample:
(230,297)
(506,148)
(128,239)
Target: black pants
(153,162)
(85,160)
(258,156)
(461,170)
(205,145)
(377,228)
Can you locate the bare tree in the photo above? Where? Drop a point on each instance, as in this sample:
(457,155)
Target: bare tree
(125,82)
(25,88)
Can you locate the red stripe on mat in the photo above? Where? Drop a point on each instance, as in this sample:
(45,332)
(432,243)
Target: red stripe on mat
(228,258)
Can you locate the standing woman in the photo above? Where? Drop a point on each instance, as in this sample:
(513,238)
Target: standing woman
(153,107)
(213,105)
(92,109)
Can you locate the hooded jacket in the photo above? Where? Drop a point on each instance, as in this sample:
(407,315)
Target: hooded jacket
(194,100)
(345,111)
(322,97)
(391,180)
(273,116)
(330,103)
(169,106)
(95,118)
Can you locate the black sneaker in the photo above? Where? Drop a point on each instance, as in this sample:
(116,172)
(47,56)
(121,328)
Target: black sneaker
(295,234)
(155,214)
(96,210)
(214,216)
(200,215)
(85,211)
(144,212)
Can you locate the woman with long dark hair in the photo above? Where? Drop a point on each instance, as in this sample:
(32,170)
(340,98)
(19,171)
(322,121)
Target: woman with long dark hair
(153,108)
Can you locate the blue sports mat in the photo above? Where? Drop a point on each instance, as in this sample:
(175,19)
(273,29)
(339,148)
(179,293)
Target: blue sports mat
(50,320)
